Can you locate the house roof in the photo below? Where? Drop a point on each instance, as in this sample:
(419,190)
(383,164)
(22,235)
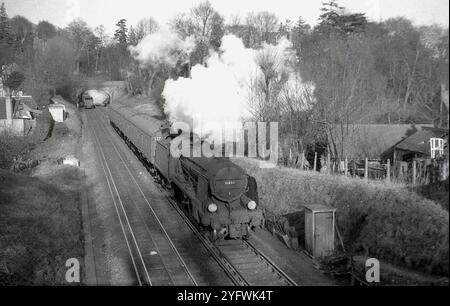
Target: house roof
(420,141)
(27,100)
(370,140)
(24,103)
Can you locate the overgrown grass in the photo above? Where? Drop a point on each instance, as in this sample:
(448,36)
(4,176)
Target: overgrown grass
(386,222)
(437,192)
(40,228)
(13,146)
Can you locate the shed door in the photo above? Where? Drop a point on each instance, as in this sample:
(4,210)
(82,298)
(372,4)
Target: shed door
(324,234)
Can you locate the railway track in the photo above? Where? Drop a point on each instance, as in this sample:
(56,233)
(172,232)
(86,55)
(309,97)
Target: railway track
(243,263)
(154,258)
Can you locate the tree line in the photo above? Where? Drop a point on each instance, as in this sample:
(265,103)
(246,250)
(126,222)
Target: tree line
(388,72)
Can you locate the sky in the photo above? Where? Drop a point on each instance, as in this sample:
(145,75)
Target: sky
(108,12)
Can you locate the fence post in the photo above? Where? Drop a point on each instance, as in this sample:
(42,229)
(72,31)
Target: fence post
(388,170)
(302,161)
(414,172)
(329,163)
(346,166)
(366,169)
(315,161)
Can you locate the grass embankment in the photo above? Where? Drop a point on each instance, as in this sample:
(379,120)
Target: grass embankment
(39,228)
(40,212)
(377,220)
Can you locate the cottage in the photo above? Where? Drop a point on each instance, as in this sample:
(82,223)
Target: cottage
(360,141)
(418,145)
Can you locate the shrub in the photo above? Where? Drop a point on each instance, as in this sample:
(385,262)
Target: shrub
(11,147)
(15,80)
(387,222)
(44,126)
(40,227)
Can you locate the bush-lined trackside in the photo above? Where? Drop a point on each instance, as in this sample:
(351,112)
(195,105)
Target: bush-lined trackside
(389,223)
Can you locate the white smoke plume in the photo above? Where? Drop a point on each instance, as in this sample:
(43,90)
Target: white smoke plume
(221,91)
(162,47)
(216,93)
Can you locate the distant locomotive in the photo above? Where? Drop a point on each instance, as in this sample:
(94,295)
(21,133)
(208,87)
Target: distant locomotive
(87,101)
(92,98)
(216,193)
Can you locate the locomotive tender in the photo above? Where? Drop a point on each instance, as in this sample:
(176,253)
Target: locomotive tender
(220,197)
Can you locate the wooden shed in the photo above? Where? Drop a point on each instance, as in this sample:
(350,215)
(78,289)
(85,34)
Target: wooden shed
(319,230)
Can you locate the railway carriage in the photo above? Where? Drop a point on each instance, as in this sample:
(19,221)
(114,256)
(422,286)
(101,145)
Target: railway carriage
(215,192)
(140,130)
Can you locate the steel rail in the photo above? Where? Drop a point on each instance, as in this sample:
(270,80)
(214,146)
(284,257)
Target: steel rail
(110,180)
(169,240)
(223,262)
(280,272)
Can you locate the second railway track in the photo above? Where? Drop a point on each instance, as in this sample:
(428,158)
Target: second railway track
(243,263)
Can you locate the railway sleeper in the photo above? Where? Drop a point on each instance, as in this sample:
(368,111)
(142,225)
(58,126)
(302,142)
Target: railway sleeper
(241,256)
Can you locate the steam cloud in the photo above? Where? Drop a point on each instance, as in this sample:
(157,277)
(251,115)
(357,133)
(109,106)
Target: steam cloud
(221,91)
(216,93)
(162,47)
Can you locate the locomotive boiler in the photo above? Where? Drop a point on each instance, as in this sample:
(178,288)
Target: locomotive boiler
(217,194)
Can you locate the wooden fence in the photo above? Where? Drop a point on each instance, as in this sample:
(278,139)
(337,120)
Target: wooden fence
(416,172)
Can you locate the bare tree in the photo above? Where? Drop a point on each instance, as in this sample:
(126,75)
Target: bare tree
(80,34)
(146,27)
(205,25)
(101,44)
(262,27)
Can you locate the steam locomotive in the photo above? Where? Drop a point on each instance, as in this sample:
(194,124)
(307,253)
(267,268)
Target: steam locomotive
(87,101)
(92,98)
(217,194)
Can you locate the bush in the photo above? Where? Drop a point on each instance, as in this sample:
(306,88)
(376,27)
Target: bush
(15,80)
(44,126)
(20,146)
(387,222)
(40,228)
(11,147)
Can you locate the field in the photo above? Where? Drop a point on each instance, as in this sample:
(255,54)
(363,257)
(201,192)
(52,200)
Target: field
(375,219)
